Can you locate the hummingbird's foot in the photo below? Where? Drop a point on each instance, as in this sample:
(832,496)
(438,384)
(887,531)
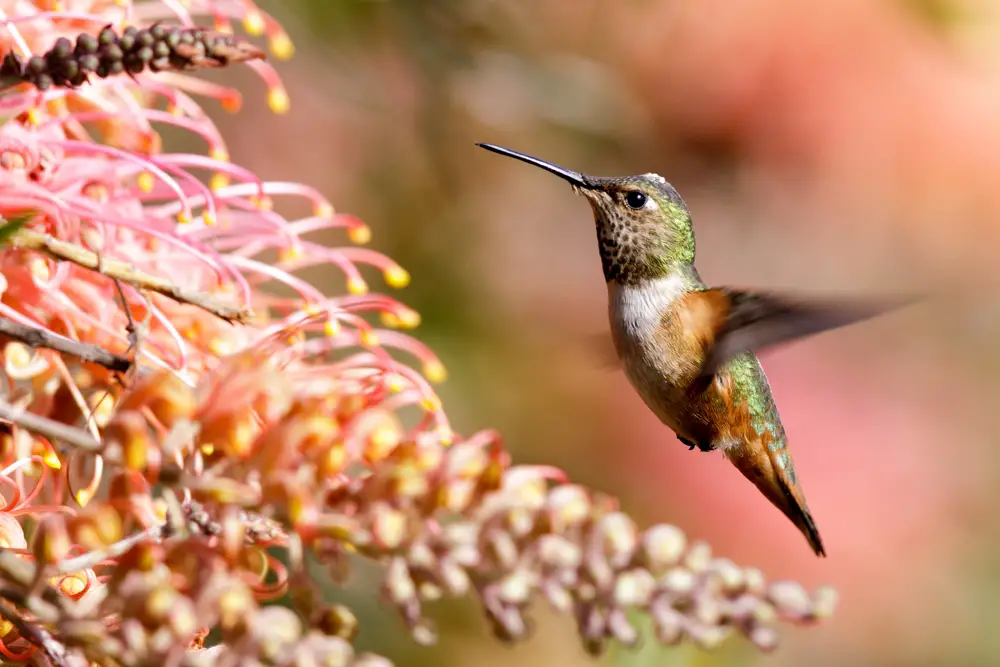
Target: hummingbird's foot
(691,445)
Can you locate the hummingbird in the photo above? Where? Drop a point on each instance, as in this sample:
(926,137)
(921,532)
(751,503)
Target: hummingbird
(689,350)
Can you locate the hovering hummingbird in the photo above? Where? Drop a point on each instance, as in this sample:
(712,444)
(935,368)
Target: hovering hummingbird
(688,349)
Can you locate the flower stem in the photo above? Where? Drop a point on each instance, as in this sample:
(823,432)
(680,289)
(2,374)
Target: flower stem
(34,337)
(49,428)
(115,269)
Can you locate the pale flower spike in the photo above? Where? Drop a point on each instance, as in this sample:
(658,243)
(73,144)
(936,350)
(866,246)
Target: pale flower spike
(177,410)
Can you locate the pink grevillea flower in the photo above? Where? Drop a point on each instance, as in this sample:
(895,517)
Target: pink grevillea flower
(125,198)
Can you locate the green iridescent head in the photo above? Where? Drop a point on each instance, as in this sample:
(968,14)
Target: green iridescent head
(643,226)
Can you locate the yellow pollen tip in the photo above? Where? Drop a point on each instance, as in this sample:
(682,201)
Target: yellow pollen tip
(218,181)
(290,254)
(357,286)
(253,23)
(72,584)
(208,449)
(446,436)
(84,496)
(430,403)
(390,320)
(435,371)
(278,101)
(360,235)
(369,338)
(263,202)
(146,181)
(281,46)
(184,218)
(209,218)
(408,318)
(395,383)
(174,110)
(385,437)
(331,328)
(323,209)
(223,25)
(219,153)
(34,117)
(396,276)
(51,459)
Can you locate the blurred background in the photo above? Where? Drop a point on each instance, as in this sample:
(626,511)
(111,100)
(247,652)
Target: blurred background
(839,146)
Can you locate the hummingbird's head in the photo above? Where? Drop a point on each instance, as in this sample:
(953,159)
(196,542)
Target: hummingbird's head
(643,226)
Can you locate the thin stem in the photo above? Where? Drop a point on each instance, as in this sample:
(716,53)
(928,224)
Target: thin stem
(56,652)
(34,337)
(115,269)
(49,428)
(93,558)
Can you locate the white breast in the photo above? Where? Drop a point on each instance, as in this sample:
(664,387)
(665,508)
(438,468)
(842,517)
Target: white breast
(635,310)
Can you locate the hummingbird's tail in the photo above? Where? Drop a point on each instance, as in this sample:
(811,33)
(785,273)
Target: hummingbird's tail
(806,524)
(778,485)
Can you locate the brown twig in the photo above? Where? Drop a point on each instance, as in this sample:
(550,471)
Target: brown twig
(130,328)
(34,337)
(93,558)
(56,652)
(115,269)
(49,428)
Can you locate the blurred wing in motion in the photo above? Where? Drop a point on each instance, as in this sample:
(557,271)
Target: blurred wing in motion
(750,321)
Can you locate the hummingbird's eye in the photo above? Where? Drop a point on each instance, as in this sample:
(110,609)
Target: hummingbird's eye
(635,199)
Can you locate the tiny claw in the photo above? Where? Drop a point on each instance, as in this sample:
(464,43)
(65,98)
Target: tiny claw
(691,445)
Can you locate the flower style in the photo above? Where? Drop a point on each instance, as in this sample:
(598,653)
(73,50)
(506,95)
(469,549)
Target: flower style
(177,407)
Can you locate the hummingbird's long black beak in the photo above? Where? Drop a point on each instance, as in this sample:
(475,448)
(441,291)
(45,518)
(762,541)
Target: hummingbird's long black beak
(574,177)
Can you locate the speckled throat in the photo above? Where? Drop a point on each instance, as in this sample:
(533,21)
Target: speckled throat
(640,245)
(629,252)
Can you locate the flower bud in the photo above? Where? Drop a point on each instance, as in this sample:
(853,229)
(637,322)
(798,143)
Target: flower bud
(51,542)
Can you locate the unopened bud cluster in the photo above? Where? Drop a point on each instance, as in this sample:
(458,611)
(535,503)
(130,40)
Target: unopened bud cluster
(344,476)
(460,522)
(160,47)
(163,597)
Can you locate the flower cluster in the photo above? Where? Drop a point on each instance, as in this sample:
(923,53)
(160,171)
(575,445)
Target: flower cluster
(172,423)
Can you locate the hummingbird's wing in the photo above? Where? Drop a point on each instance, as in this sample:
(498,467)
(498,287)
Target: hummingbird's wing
(750,321)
